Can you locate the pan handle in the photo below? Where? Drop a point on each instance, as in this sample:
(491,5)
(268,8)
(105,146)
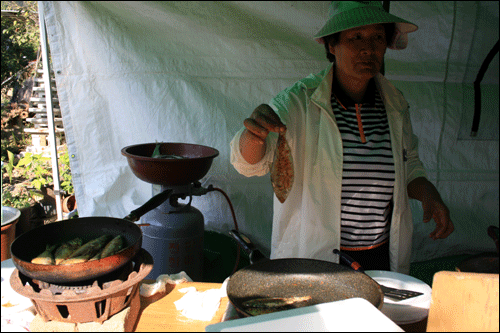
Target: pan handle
(151,204)
(349,261)
(253,253)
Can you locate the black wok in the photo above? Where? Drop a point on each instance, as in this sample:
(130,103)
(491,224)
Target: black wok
(323,281)
(32,243)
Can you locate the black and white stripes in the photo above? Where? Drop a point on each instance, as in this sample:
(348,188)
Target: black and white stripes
(368,174)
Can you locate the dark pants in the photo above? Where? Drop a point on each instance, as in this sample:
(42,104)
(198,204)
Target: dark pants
(374,259)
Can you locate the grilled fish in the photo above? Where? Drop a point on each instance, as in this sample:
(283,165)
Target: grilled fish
(261,311)
(46,257)
(275,302)
(87,251)
(282,173)
(113,247)
(65,250)
(96,257)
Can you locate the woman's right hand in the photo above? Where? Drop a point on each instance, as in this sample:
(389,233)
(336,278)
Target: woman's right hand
(253,139)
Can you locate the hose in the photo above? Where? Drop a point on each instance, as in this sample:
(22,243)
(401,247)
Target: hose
(238,251)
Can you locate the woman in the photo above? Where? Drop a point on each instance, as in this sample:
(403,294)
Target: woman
(355,158)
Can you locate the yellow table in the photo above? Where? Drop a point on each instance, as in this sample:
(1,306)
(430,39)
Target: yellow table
(158,312)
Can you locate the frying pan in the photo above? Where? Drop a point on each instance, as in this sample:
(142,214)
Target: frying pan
(32,243)
(323,281)
(194,164)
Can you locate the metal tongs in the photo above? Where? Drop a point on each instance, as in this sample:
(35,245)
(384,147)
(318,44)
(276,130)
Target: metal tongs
(394,293)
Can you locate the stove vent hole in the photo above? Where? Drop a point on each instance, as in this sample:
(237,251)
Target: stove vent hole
(100,307)
(63,310)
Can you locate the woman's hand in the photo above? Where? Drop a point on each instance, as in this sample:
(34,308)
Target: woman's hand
(253,139)
(433,207)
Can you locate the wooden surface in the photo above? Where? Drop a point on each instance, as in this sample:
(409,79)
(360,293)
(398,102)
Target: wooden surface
(464,302)
(159,314)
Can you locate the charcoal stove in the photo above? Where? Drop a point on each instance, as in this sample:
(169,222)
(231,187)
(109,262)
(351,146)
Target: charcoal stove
(89,300)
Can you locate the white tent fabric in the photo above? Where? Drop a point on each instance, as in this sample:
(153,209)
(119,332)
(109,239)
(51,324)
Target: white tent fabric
(137,72)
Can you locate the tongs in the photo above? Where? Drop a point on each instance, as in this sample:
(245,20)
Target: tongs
(394,293)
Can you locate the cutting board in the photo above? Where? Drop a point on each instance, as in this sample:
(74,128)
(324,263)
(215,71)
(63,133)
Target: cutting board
(159,314)
(464,302)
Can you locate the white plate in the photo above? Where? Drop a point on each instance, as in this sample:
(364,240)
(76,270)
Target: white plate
(410,310)
(350,315)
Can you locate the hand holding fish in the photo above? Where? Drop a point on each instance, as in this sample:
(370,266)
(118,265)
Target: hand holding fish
(253,139)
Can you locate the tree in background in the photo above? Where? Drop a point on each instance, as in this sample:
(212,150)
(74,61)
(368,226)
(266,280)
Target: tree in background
(20,42)
(20,46)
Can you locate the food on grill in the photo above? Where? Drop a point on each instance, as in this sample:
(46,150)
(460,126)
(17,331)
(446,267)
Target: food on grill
(282,169)
(96,257)
(66,249)
(274,302)
(73,252)
(87,251)
(113,247)
(267,305)
(46,257)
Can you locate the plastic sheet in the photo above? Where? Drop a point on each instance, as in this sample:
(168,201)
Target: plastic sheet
(136,72)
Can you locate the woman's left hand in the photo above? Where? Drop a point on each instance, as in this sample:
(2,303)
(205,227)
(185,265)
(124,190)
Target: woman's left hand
(433,207)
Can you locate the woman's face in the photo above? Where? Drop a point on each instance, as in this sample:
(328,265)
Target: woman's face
(359,52)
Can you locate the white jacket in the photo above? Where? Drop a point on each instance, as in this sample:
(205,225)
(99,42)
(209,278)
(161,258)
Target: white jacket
(307,224)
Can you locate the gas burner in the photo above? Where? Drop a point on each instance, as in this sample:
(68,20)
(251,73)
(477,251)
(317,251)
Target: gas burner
(85,301)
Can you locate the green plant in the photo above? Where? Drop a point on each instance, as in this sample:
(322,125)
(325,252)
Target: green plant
(65,173)
(36,168)
(16,201)
(9,166)
(18,197)
(14,138)
(20,40)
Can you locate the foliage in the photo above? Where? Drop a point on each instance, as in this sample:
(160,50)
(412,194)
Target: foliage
(20,39)
(9,166)
(13,140)
(35,172)
(18,197)
(65,173)
(37,168)
(19,46)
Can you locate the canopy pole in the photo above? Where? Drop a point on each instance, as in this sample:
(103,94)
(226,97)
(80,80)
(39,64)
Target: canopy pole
(50,111)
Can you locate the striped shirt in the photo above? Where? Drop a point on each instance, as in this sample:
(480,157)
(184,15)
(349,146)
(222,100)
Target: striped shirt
(368,169)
